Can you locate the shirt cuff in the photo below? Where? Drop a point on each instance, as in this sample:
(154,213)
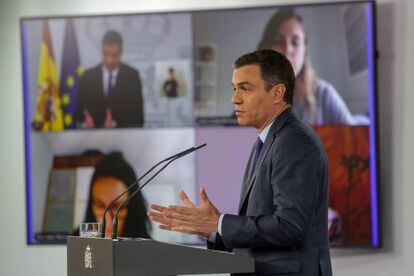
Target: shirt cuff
(213,235)
(220,223)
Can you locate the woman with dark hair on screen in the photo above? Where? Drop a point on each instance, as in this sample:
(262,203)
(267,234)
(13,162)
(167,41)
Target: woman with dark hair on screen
(315,101)
(112,176)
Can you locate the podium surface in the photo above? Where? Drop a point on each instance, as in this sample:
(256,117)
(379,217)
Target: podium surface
(133,257)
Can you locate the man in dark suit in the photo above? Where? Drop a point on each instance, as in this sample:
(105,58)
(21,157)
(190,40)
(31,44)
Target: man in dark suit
(282,218)
(110,93)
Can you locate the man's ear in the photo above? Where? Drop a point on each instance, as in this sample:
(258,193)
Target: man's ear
(278,93)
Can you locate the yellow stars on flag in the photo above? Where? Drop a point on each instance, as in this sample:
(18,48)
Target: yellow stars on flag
(66,99)
(68,119)
(70,81)
(80,70)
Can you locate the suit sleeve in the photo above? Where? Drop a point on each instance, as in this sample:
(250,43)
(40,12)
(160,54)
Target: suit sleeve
(297,175)
(217,244)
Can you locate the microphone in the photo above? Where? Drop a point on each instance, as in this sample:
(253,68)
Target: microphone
(170,160)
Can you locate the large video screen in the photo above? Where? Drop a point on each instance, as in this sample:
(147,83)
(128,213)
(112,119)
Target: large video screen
(108,96)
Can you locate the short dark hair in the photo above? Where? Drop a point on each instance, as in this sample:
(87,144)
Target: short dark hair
(275,69)
(112,37)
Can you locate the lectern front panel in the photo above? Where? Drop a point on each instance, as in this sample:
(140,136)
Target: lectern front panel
(89,257)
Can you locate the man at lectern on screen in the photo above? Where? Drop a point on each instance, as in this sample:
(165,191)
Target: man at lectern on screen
(283,210)
(110,94)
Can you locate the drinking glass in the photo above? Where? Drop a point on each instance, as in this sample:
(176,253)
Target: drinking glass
(90,230)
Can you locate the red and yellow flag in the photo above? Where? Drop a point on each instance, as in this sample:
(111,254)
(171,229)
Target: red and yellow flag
(49,113)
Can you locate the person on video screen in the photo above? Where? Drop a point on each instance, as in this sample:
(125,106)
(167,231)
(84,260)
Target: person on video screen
(316,101)
(110,94)
(111,177)
(171,85)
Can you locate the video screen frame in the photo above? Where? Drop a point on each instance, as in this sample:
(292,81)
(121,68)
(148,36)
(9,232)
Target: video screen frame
(372,54)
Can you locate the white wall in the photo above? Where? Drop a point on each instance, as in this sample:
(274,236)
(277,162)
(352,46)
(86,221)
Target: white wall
(396,71)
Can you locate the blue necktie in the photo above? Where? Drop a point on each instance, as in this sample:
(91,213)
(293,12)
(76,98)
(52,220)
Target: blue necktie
(259,146)
(110,87)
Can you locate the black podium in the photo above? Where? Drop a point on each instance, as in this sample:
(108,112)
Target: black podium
(132,257)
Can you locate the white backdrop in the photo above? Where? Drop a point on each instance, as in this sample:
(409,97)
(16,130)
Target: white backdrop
(396,70)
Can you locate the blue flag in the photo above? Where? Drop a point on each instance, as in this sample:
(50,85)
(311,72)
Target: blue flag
(70,75)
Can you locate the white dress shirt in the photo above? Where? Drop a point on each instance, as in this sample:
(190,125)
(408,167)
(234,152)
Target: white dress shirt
(105,78)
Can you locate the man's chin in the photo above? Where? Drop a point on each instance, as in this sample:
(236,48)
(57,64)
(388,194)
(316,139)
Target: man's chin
(242,122)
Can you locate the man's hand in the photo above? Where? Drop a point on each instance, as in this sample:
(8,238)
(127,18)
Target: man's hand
(89,122)
(191,219)
(109,121)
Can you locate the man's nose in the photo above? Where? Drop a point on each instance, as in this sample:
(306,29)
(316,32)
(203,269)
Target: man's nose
(236,99)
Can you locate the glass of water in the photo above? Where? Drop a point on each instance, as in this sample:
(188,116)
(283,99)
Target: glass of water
(90,230)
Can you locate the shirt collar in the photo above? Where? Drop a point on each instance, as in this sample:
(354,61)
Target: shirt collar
(265,131)
(107,72)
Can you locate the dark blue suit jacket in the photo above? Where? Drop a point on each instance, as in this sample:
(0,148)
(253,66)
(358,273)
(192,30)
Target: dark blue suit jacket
(126,103)
(283,210)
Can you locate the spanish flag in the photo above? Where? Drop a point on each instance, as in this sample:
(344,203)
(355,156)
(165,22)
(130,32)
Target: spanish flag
(49,114)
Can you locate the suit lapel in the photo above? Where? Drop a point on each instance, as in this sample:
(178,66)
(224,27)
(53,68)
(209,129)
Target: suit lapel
(247,185)
(247,176)
(119,79)
(275,128)
(99,78)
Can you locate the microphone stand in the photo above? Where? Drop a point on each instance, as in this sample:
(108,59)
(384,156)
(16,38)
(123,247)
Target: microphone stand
(170,160)
(115,219)
(103,221)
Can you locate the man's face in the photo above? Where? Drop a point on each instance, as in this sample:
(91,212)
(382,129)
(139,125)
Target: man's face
(111,55)
(171,74)
(254,106)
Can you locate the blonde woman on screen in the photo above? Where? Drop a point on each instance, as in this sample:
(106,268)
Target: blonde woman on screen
(315,100)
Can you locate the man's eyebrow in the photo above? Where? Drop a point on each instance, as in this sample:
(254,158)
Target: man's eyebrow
(242,83)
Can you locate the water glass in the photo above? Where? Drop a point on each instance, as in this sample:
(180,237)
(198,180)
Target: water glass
(90,230)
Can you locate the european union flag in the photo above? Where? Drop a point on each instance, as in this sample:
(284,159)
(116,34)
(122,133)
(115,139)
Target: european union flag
(71,72)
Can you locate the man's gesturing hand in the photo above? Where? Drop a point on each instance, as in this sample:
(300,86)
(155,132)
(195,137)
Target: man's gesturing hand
(190,218)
